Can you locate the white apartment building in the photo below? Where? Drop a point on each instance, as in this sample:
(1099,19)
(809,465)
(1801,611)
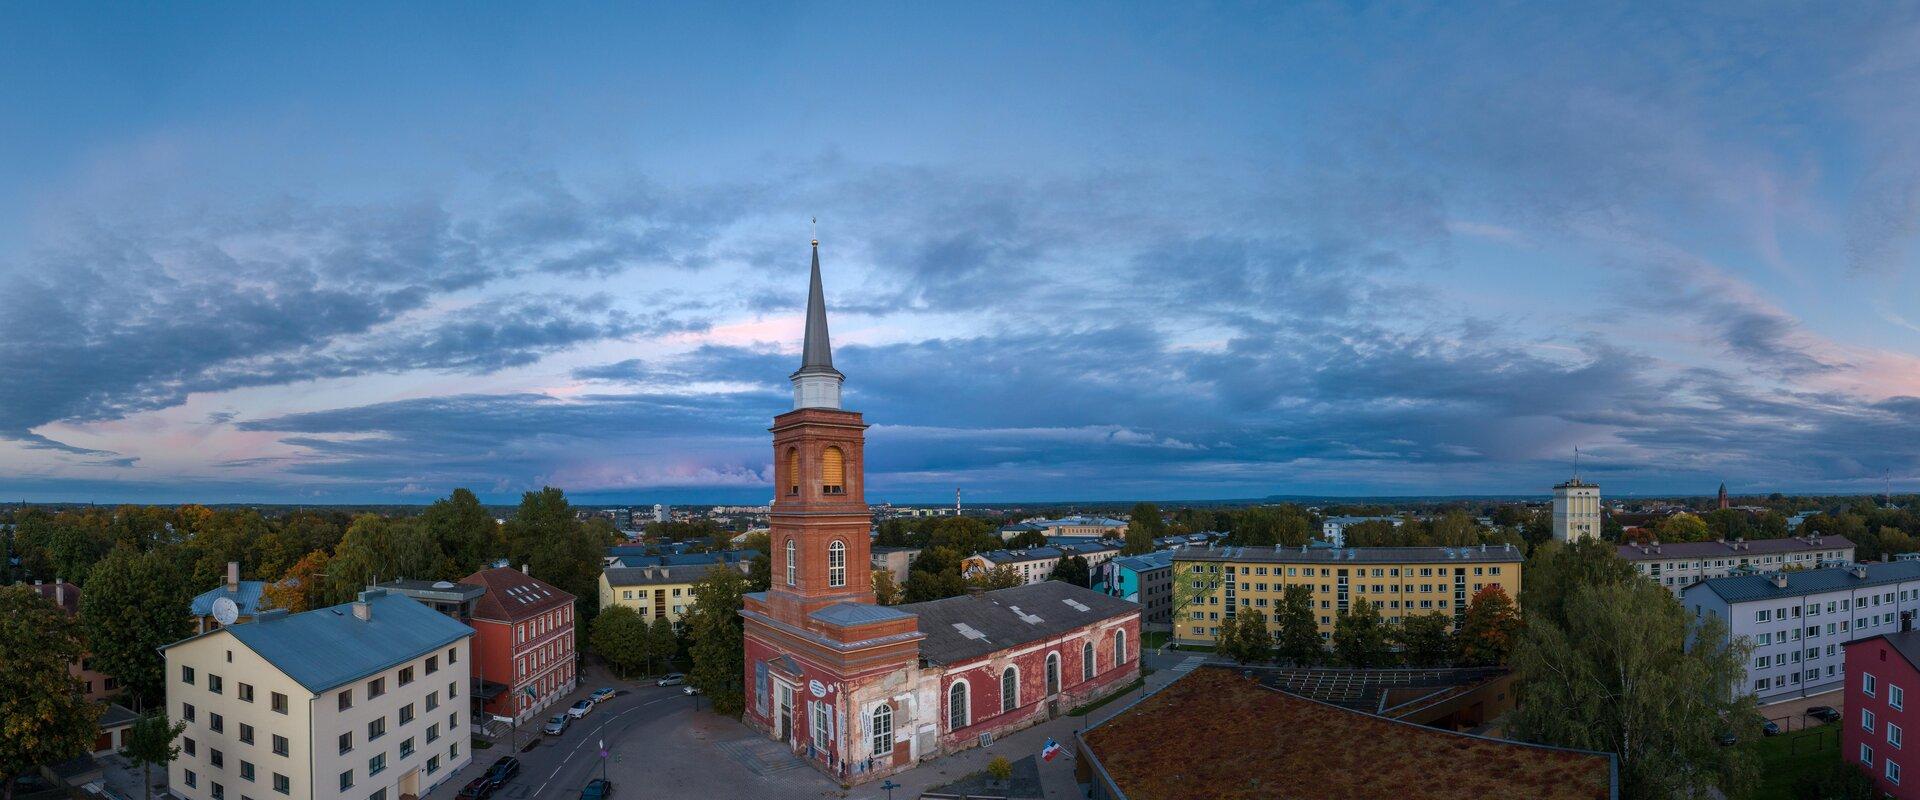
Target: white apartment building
(1798,622)
(360,701)
(1334,529)
(1681,564)
(1576,511)
(1035,564)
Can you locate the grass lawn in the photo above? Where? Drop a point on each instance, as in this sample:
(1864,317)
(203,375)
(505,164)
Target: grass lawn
(1155,639)
(1783,759)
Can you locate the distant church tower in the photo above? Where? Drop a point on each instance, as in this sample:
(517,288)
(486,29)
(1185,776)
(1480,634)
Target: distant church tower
(1576,508)
(1723,496)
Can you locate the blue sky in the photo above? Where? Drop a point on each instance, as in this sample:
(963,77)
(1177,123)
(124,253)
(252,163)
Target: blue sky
(360,253)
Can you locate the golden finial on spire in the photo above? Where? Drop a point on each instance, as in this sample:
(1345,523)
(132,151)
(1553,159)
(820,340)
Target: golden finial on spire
(816,231)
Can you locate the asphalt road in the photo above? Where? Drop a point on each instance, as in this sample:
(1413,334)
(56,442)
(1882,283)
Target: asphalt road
(560,765)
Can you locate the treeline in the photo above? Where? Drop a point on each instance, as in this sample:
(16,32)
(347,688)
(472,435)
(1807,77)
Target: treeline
(139,566)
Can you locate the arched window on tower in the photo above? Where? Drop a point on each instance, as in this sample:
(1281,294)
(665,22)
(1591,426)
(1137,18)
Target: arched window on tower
(790,566)
(793,470)
(837,563)
(833,471)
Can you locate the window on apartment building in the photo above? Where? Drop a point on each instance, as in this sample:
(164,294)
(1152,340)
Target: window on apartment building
(452,691)
(377,728)
(406,675)
(246,770)
(433,664)
(194,780)
(1868,684)
(214,684)
(1866,756)
(245,692)
(406,749)
(217,758)
(279,703)
(453,721)
(282,784)
(186,711)
(1763,615)
(1896,697)
(246,733)
(376,687)
(433,700)
(219,792)
(1866,720)
(1894,736)
(346,742)
(406,713)
(346,699)
(346,780)
(433,765)
(453,655)
(279,745)
(217,723)
(433,733)
(189,746)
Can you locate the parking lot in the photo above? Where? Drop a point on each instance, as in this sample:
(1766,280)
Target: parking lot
(1791,715)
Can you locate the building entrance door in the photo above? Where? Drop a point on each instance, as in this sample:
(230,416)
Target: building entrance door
(410,785)
(786,713)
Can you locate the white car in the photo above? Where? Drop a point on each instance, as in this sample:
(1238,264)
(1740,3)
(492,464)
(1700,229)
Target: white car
(580,709)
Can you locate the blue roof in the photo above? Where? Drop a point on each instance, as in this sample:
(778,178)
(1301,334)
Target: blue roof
(858,614)
(1162,559)
(327,647)
(248,598)
(684,559)
(1742,588)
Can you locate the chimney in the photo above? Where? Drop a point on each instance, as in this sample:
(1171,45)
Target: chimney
(363,607)
(233,577)
(60,593)
(524,570)
(1779,580)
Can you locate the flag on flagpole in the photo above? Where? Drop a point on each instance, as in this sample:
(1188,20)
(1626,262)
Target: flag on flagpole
(1052,749)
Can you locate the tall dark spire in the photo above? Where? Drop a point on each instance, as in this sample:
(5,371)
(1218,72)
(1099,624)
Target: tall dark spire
(817,353)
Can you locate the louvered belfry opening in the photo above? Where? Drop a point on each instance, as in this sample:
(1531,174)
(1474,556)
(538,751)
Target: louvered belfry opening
(793,471)
(833,471)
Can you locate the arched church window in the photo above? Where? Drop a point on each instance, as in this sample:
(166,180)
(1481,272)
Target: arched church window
(837,563)
(790,560)
(1009,690)
(1086,661)
(958,715)
(833,471)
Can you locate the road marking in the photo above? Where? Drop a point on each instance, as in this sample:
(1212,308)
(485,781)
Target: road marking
(576,747)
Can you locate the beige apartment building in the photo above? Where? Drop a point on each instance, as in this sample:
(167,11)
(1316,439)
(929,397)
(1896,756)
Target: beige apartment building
(360,701)
(656,592)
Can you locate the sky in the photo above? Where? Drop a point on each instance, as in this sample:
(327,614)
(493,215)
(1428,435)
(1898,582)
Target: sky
(369,253)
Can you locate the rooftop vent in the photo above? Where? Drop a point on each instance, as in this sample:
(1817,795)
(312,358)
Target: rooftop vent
(969,631)
(1779,580)
(1077,605)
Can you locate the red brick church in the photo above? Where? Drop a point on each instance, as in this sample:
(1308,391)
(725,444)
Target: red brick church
(863,690)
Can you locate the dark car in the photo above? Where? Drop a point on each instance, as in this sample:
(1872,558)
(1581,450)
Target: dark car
(597,789)
(1727,739)
(478,788)
(1770,728)
(1824,713)
(503,770)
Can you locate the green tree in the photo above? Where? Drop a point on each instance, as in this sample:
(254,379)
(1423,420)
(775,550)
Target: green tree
(303,587)
(1251,641)
(1143,526)
(1001,577)
(135,604)
(934,575)
(150,741)
(1682,527)
(662,643)
(718,638)
(1072,569)
(1628,671)
(544,535)
(1555,569)
(1360,637)
(379,549)
(1299,640)
(44,718)
(464,532)
(1489,628)
(619,635)
(1264,526)
(1026,540)
(1423,639)
(884,591)
(1837,780)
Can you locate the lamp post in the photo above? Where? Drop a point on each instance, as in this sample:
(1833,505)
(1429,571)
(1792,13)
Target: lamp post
(603,759)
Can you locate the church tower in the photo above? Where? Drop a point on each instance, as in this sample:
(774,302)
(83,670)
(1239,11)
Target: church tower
(820,521)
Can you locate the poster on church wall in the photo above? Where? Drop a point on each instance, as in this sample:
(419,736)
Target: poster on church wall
(760,692)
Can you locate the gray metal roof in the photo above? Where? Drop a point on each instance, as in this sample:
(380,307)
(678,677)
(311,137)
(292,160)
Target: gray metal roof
(1906,643)
(327,647)
(1791,544)
(992,623)
(1049,551)
(1744,588)
(653,576)
(1355,555)
(1162,559)
(858,614)
(248,598)
(816,353)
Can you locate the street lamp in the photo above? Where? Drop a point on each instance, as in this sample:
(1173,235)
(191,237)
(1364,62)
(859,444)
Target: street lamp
(889,786)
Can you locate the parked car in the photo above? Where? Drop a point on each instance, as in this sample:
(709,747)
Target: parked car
(579,709)
(673,679)
(557,725)
(601,695)
(503,770)
(1770,728)
(597,789)
(477,789)
(691,690)
(1727,739)
(1824,713)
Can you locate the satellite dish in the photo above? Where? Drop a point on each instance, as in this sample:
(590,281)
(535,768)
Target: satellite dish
(443,585)
(225,611)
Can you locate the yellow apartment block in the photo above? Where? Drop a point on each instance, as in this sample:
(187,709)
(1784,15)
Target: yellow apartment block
(1401,580)
(655,592)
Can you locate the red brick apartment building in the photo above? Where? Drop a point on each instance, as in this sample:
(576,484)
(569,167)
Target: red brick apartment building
(523,640)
